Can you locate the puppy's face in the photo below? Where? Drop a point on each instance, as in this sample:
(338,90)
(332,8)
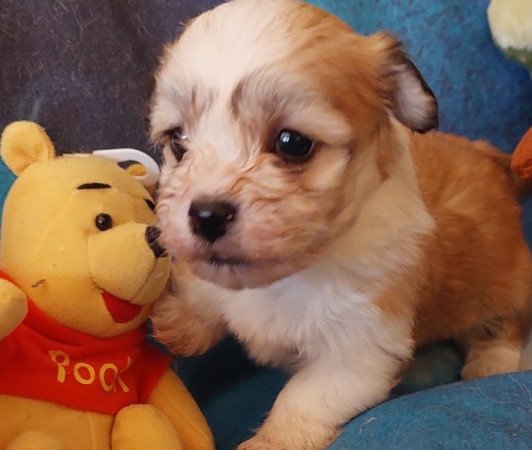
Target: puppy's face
(275,119)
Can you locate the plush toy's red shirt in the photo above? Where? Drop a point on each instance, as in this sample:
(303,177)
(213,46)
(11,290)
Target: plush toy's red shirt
(45,360)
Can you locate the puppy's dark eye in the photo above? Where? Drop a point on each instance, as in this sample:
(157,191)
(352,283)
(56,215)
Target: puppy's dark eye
(294,146)
(177,137)
(103,222)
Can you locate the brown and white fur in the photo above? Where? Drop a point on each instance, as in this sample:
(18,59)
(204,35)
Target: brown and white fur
(385,240)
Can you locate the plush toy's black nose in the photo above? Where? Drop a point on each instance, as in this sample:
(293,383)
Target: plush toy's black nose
(210,220)
(152,238)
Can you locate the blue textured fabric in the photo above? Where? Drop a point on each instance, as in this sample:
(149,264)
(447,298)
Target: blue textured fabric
(492,413)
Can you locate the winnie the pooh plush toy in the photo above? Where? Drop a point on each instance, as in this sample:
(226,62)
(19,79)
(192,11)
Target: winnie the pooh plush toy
(80,267)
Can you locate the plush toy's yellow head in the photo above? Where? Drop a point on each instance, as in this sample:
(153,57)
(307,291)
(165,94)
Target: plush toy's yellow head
(78,236)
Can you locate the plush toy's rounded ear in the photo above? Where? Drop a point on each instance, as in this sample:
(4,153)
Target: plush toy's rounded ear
(24,143)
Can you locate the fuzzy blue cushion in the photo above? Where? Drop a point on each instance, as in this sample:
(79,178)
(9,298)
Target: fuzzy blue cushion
(492,413)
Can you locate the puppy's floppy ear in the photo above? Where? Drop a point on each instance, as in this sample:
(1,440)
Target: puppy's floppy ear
(411,99)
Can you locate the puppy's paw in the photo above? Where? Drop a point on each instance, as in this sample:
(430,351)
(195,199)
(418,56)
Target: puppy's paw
(178,327)
(492,361)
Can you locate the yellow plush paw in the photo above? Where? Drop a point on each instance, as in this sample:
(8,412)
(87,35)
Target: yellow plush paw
(172,398)
(141,427)
(33,440)
(13,307)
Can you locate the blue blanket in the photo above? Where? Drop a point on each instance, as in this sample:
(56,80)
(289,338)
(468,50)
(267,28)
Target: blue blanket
(493,413)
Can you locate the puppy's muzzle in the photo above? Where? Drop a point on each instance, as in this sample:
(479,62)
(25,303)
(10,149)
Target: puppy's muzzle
(211,220)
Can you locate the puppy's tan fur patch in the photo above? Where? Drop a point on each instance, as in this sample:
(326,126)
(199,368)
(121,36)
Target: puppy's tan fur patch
(478,263)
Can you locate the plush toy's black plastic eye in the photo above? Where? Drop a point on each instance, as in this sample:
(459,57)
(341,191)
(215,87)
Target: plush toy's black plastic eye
(103,222)
(294,146)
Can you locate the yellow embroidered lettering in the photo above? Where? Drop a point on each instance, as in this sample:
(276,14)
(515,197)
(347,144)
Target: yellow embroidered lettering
(62,360)
(84,373)
(90,372)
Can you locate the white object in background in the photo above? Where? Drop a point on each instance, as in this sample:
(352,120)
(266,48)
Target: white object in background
(511,26)
(153,172)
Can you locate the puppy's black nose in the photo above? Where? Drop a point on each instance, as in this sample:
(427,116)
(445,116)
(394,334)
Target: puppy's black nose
(152,238)
(210,220)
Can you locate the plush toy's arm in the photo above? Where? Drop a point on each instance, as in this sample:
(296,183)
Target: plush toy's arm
(172,398)
(13,307)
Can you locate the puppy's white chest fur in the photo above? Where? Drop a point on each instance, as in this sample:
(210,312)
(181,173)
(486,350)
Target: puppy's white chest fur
(291,319)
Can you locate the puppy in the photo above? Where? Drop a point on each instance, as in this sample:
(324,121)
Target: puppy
(310,217)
